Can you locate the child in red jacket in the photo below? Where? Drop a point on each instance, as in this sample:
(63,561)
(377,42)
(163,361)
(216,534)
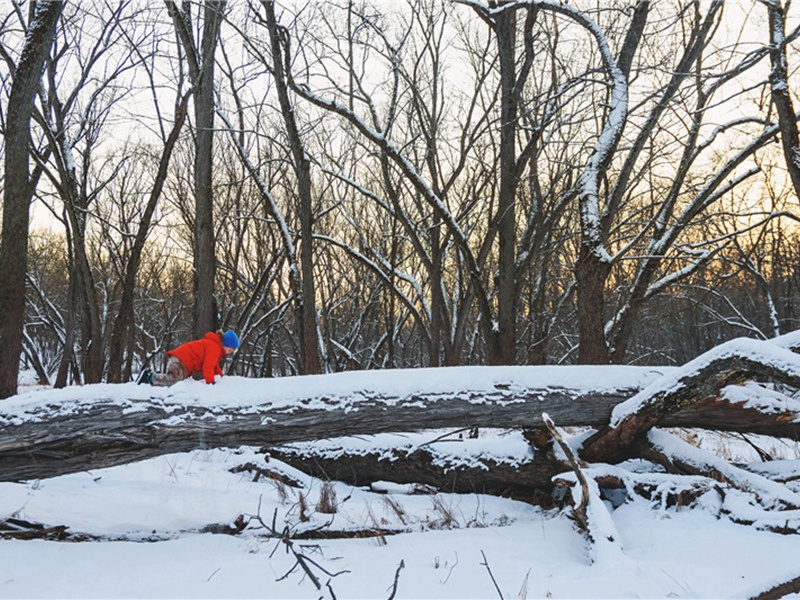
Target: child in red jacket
(198,359)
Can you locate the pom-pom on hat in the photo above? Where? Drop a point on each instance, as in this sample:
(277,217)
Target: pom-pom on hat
(230,339)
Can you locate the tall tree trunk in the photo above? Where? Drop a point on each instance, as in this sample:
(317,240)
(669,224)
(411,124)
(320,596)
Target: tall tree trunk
(201,73)
(540,330)
(391,319)
(437,299)
(781,97)
(591,273)
(306,309)
(68,354)
(594,262)
(93,355)
(502,347)
(76,204)
(204,259)
(18,190)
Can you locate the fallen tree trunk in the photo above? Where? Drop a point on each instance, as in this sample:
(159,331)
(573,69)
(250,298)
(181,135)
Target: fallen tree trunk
(677,456)
(529,480)
(106,425)
(53,433)
(781,590)
(698,386)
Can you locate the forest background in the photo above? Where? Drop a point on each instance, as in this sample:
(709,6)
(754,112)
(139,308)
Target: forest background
(367,185)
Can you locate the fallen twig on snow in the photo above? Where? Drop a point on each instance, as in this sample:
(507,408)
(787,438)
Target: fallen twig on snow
(301,560)
(396,579)
(485,563)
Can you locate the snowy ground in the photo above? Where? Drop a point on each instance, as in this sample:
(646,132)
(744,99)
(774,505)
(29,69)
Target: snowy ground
(150,518)
(531,553)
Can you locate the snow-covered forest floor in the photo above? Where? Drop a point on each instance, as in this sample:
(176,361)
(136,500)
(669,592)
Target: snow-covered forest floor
(151,527)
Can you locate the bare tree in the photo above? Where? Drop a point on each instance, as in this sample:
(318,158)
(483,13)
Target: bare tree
(780,90)
(74,121)
(693,190)
(201,60)
(120,339)
(18,191)
(307,310)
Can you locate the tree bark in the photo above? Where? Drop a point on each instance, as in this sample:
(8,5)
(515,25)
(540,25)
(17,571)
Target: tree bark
(204,258)
(781,96)
(531,480)
(591,273)
(201,72)
(68,352)
(79,434)
(306,302)
(503,343)
(792,586)
(18,190)
(698,389)
(594,263)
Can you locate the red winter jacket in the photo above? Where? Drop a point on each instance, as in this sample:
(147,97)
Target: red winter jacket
(201,356)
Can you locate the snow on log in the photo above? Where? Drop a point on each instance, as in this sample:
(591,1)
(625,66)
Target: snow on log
(617,484)
(785,471)
(779,590)
(698,385)
(44,434)
(789,341)
(505,466)
(674,453)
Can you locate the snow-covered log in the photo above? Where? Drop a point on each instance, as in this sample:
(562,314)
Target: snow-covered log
(527,477)
(697,388)
(83,428)
(780,590)
(679,456)
(90,427)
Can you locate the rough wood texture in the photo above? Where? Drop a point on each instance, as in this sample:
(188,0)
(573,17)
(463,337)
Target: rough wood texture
(531,480)
(98,434)
(695,394)
(81,434)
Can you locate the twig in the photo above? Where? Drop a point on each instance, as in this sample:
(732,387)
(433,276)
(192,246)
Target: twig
(320,567)
(444,435)
(581,514)
(396,579)
(330,589)
(762,454)
(301,560)
(485,563)
(451,570)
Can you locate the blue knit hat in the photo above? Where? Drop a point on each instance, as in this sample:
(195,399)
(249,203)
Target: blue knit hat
(230,340)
